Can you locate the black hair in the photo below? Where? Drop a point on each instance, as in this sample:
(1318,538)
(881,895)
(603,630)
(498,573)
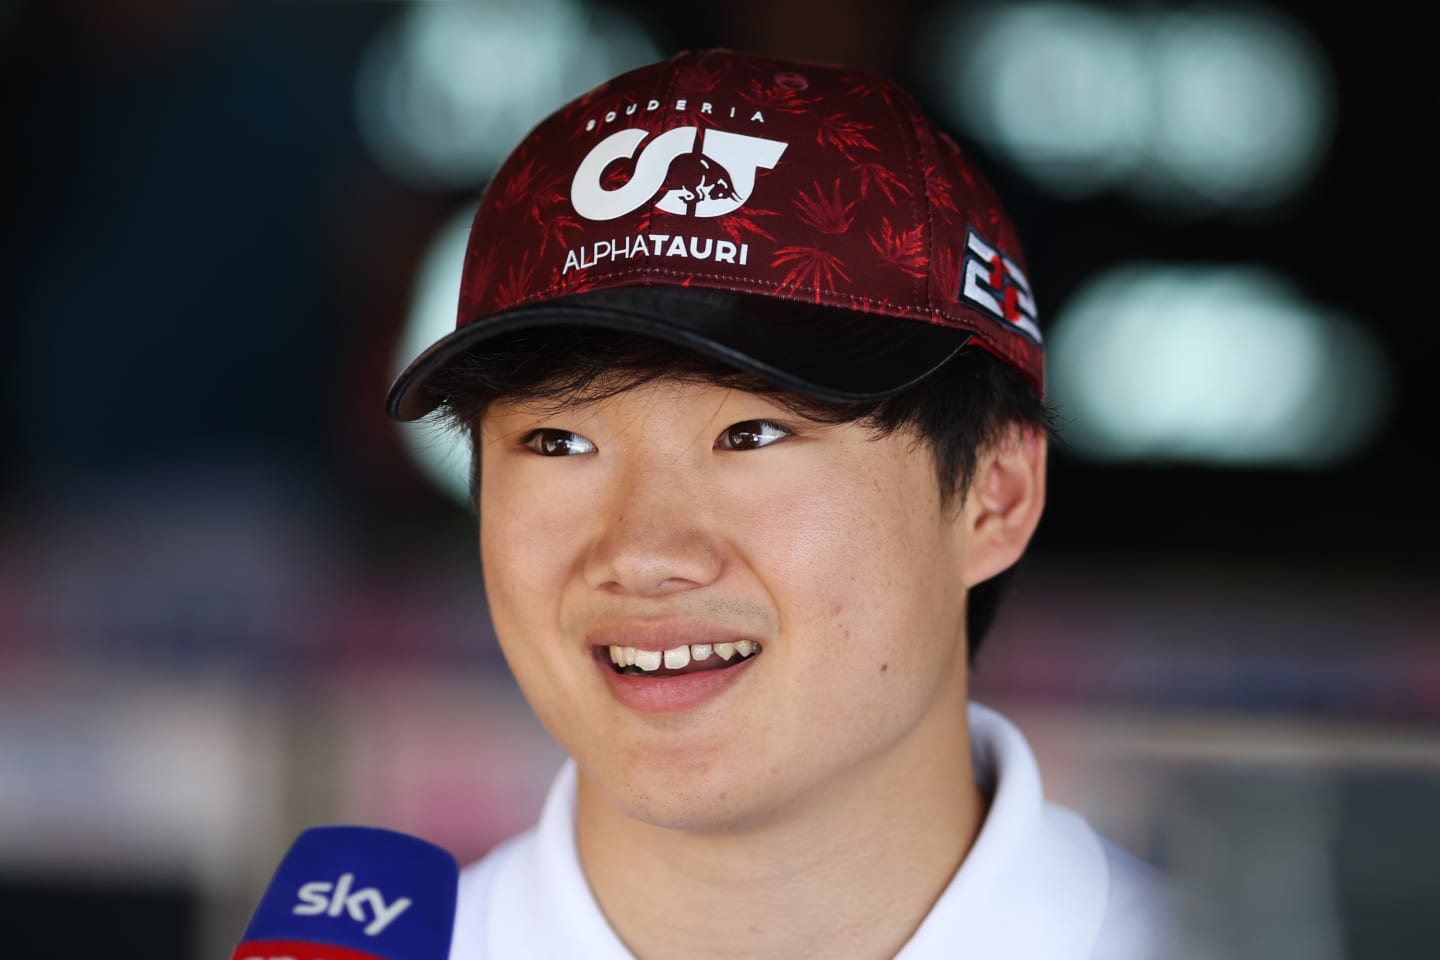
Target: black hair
(957,412)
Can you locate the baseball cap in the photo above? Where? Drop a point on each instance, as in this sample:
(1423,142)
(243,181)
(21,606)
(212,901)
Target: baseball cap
(805,222)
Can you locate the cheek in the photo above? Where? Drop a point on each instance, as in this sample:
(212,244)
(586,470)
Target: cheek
(860,559)
(527,546)
(527,542)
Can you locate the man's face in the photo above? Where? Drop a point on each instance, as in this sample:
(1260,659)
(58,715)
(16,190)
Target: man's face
(681,515)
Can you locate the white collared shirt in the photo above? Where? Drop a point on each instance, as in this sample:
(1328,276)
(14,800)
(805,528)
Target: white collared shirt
(1038,883)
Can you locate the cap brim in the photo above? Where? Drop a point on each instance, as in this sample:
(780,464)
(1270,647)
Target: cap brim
(821,351)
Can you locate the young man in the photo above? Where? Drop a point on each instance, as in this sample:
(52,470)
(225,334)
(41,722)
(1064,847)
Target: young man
(750,361)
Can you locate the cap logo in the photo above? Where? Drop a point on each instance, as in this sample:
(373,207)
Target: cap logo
(680,171)
(994,283)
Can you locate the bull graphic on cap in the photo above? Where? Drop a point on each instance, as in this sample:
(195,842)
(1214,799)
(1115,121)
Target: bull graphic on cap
(694,177)
(691,178)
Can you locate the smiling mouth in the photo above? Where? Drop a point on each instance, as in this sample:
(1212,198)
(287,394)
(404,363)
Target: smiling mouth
(679,661)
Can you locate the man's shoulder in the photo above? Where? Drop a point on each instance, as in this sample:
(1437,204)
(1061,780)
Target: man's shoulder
(1141,919)
(1039,880)
(1134,908)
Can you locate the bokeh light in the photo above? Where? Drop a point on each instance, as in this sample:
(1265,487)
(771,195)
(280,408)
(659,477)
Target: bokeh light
(1059,87)
(1241,115)
(1225,365)
(1197,110)
(448,89)
(442,454)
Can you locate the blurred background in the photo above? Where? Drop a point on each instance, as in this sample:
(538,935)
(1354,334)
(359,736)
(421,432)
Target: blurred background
(236,601)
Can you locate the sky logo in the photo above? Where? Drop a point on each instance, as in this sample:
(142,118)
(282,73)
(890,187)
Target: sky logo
(332,899)
(302,918)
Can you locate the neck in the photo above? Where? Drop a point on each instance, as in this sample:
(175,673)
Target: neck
(848,870)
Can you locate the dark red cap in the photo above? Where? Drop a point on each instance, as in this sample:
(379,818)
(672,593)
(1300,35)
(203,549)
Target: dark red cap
(851,247)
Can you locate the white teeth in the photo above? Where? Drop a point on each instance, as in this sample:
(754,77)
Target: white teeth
(677,658)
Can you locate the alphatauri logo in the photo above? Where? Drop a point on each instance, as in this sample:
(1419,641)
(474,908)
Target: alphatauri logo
(680,171)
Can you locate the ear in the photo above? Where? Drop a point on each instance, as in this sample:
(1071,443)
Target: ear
(1004,502)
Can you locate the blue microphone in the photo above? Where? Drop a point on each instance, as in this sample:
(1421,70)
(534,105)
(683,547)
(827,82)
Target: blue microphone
(356,893)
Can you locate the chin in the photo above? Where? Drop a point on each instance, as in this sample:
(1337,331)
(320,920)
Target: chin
(694,794)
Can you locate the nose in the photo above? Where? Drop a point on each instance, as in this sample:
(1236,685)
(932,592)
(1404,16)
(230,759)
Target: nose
(656,536)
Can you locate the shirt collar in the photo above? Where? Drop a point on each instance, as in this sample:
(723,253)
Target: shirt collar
(1034,883)
(542,905)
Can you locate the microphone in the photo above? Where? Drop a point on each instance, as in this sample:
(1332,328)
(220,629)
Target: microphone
(356,893)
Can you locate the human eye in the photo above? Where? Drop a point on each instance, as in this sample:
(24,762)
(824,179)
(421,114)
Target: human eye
(556,443)
(751,435)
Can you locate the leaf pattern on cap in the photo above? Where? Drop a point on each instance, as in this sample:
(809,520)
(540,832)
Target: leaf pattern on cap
(516,284)
(877,176)
(567,284)
(553,228)
(948,264)
(940,194)
(741,225)
(826,214)
(867,85)
(809,267)
(519,184)
(902,249)
(475,282)
(697,77)
(844,134)
(769,96)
